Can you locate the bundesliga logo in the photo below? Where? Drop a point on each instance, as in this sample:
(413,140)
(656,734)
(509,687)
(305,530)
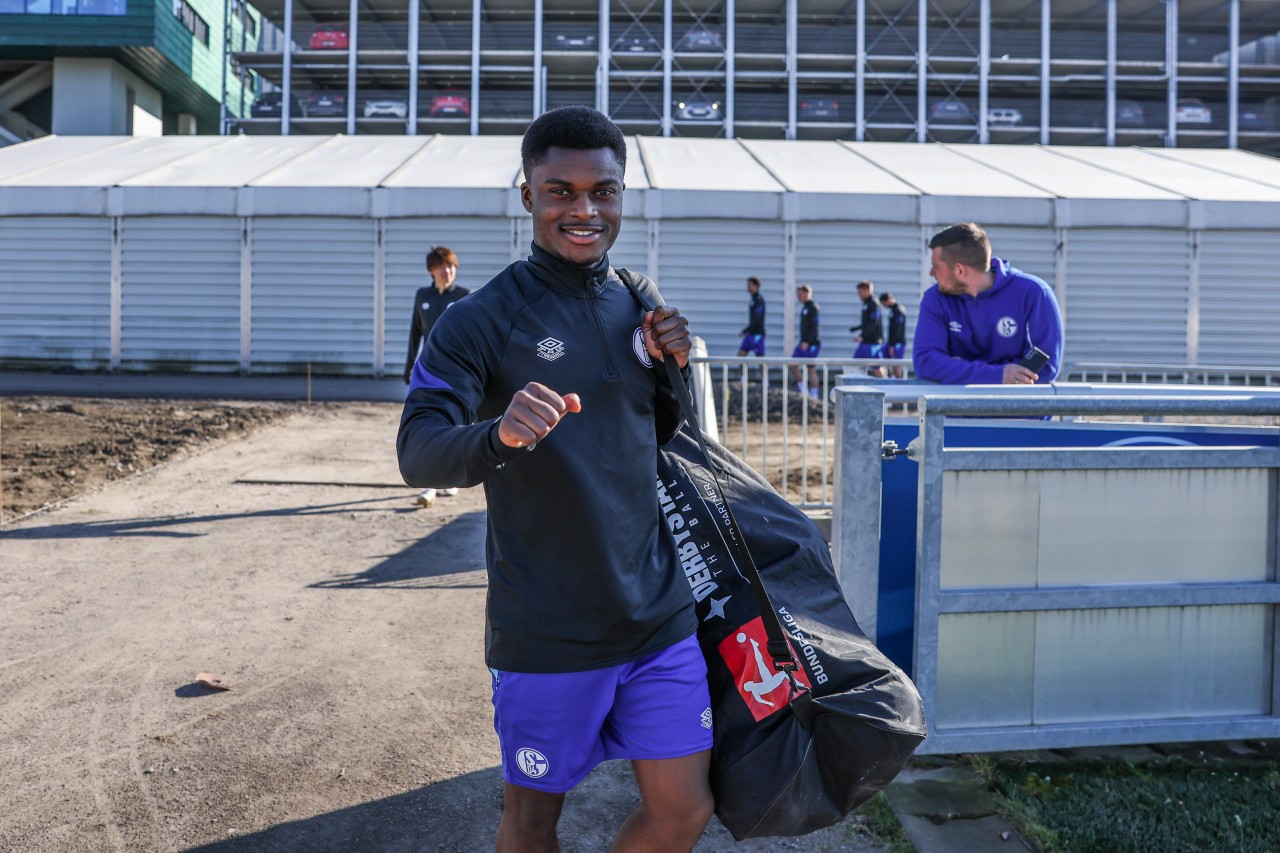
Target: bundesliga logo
(765,690)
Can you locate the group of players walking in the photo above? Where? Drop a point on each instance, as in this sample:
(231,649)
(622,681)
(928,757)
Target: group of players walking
(879,334)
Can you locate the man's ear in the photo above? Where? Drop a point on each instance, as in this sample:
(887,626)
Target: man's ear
(526,197)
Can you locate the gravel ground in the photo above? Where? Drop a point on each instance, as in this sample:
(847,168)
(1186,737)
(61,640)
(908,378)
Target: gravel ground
(291,561)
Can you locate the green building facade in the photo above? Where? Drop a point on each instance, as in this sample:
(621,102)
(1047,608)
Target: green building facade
(132,67)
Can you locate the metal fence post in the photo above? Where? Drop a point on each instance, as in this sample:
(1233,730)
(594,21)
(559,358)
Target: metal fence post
(855,517)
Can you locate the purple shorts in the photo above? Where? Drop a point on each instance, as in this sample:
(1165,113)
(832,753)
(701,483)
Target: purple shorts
(868,351)
(752,344)
(894,350)
(811,352)
(555,727)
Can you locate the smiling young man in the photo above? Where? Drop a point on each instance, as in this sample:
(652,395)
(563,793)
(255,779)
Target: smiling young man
(546,385)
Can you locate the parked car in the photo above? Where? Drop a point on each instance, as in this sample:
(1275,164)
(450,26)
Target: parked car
(326,104)
(950,111)
(386,107)
(636,43)
(700,37)
(1251,118)
(574,41)
(819,109)
(267,105)
(698,108)
(1004,116)
(330,37)
(1129,114)
(450,105)
(1192,111)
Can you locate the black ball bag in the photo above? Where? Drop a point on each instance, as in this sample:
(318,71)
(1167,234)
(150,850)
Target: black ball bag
(794,753)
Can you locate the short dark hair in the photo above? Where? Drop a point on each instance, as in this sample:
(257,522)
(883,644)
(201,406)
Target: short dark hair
(866,282)
(806,288)
(753,280)
(441,256)
(886,298)
(965,243)
(577,128)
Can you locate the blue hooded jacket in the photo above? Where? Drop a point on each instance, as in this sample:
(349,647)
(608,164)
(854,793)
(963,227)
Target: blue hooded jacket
(966,340)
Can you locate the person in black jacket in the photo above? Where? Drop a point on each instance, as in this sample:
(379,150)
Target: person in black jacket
(547,386)
(753,332)
(810,341)
(896,345)
(869,331)
(429,304)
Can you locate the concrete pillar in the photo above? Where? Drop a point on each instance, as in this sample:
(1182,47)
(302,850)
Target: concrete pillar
(100,97)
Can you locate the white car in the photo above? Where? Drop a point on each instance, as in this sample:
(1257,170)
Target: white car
(1193,111)
(386,108)
(1006,116)
(698,109)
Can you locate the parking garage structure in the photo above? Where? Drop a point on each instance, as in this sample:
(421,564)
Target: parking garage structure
(1169,73)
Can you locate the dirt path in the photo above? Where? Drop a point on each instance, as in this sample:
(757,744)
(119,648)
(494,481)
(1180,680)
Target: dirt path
(350,623)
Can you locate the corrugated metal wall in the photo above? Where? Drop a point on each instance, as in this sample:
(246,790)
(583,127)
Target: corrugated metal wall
(1127,294)
(834,256)
(703,270)
(55,289)
(631,250)
(313,294)
(483,247)
(1031,250)
(1239,298)
(314,299)
(180,292)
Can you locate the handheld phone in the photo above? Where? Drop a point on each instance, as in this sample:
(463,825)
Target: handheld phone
(1035,359)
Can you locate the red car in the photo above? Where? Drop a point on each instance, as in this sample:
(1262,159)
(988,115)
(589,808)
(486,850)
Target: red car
(450,106)
(330,37)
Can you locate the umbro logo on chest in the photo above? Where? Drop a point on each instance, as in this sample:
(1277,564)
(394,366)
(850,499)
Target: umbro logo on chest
(550,349)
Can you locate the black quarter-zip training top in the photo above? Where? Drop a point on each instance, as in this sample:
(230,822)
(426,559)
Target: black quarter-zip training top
(578,575)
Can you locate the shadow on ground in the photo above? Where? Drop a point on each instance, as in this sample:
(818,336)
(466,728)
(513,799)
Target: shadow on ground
(457,815)
(460,815)
(450,557)
(172,525)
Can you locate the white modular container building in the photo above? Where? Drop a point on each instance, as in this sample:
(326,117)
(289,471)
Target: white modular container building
(267,254)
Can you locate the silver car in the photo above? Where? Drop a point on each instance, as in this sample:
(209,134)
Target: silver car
(386,108)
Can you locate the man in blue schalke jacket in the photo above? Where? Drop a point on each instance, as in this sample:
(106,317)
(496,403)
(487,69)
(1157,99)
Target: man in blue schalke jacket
(983,316)
(547,386)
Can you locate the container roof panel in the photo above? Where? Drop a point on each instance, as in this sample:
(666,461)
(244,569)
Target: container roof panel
(109,165)
(1179,176)
(461,162)
(16,160)
(704,164)
(1242,164)
(234,163)
(1062,176)
(345,161)
(939,171)
(824,167)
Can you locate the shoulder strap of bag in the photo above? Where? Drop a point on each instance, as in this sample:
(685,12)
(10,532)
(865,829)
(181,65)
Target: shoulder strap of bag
(779,649)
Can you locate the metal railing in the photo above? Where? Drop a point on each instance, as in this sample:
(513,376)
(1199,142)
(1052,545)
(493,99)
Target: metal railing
(785,436)
(1175,374)
(794,437)
(1028,635)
